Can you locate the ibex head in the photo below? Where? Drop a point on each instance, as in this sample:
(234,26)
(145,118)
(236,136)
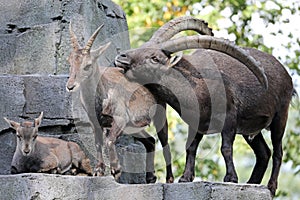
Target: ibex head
(82,60)
(154,57)
(150,61)
(27,133)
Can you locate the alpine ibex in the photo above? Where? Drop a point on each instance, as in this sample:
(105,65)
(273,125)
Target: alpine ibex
(126,104)
(45,154)
(216,89)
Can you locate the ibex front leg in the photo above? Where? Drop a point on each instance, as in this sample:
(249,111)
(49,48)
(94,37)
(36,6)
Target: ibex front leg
(100,167)
(161,126)
(192,144)
(114,133)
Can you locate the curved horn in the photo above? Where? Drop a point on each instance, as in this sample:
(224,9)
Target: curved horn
(74,40)
(90,42)
(179,24)
(218,44)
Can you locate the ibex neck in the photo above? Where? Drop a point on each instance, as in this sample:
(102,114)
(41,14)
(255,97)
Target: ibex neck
(88,89)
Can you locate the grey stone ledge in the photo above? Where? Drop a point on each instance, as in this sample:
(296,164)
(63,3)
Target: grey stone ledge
(47,186)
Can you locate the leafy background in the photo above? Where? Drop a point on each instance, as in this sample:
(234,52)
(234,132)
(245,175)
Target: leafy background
(270,26)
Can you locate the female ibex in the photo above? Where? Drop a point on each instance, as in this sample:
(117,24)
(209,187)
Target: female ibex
(126,104)
(45,154)
(215,92)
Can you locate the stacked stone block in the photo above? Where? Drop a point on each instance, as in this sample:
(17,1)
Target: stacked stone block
(34,47)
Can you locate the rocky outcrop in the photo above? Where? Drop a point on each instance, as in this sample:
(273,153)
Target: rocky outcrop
(48,187)
(34,35)
(34,46)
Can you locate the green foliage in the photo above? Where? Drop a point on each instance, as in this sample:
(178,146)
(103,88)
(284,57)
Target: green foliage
(144,16)
(291,141)
(207,162)
(292,148)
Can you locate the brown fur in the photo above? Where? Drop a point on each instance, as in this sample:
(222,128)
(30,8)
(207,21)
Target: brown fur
(131,107)
(46,154)
(213,93)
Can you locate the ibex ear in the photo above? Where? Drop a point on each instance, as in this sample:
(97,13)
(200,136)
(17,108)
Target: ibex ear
(174,59)
(100,50)
(12,124)
(38,121)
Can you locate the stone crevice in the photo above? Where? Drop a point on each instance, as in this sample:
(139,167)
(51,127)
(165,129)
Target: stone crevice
(13,28)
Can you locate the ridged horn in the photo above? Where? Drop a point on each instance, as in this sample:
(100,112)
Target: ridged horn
(218,44)
(90,42)
(168,30)
(74,41)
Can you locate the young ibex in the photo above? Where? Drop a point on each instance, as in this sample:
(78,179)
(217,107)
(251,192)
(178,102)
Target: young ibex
(130,105)
(127,104)
(35,153)
(215,92)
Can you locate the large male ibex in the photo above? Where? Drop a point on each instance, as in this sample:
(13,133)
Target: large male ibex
(106,93)
(219,88)
(45,154)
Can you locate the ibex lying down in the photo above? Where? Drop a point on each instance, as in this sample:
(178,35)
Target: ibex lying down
(45,154)
(215,92)
(128,103)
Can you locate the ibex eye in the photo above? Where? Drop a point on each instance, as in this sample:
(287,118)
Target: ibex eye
(154,60)
(87,67)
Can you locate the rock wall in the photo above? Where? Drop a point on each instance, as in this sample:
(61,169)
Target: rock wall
(35,36)
(48,187)
(34,46)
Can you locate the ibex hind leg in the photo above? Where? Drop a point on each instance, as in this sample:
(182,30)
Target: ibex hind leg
(149,143)
(114,133)
(277,128)
(80,163)
(262,153)
(86,166)
(228,135)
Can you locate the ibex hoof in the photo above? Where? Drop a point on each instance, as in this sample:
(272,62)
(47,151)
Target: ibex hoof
(170,180)
(116,172)
(98,172)
(150,177)
(272,187)
(74,171)
(184,179)
(231,178)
